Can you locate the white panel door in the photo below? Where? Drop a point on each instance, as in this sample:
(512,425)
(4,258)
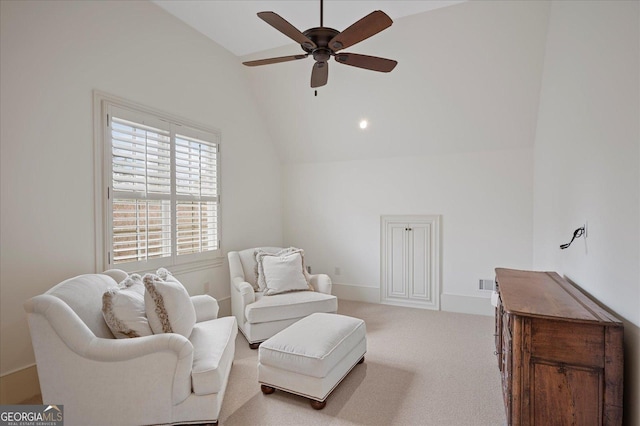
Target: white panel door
(410,273)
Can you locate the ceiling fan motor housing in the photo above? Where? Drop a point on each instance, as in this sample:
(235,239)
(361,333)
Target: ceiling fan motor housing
(321,37)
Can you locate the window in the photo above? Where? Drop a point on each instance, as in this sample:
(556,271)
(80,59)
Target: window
(160,192)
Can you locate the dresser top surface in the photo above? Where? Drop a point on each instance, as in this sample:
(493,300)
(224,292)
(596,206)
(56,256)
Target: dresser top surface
(546,294)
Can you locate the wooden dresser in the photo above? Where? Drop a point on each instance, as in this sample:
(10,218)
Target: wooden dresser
(560,354)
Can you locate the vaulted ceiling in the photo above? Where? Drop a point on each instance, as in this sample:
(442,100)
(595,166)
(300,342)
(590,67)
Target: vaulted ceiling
(468,77)
(235,26)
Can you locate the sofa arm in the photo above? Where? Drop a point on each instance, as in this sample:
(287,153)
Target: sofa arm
(117,274)
(206,307)
(321,283)
(81,340)
(51,318)
(118,355)
(245,290)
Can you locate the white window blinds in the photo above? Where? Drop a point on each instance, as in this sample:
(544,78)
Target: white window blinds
(141,230)
(141,158)
(196,192)
(196,167)
(163,196)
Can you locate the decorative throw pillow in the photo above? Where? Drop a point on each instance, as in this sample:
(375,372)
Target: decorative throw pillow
(123,309)
(283,274)
(168,305)
(261,254)
(164,273)
(134,283)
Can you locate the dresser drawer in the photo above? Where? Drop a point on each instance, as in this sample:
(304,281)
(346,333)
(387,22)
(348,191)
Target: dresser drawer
(568,342)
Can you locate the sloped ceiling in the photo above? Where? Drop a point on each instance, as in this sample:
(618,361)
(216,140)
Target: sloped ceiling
(234,25)
(468,79)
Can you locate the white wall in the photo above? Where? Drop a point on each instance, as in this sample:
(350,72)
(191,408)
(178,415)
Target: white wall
(451,133)
(53,55)
(485,198)
(586,162)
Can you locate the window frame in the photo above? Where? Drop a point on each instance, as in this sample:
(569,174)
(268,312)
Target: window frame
(103,105)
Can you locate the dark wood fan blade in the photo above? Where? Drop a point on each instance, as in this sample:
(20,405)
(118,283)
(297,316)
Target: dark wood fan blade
(319,74)
(282,25)
(274,60)
(368,26)
(373,63)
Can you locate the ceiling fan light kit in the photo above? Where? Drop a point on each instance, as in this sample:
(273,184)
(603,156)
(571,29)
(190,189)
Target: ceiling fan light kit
(323,42)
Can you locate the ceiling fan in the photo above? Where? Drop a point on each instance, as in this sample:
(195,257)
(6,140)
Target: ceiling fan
(323,42)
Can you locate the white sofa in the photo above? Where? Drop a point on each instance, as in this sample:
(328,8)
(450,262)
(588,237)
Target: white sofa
(259,317)
(101,380)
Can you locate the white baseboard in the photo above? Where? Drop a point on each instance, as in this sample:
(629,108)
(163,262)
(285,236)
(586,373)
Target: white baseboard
(410,304)
(448,302)
(19,385)
(466,304)
(356,292)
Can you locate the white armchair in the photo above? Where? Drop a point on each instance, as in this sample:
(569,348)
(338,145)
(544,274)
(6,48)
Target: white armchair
(260,317)
(101,380)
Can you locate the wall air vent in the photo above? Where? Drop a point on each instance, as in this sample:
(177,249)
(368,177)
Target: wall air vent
(489,285)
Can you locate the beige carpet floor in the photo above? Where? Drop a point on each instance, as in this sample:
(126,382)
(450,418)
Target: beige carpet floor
(422,367)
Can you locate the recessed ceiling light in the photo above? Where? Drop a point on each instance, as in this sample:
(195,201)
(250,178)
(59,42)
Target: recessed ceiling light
(363,124)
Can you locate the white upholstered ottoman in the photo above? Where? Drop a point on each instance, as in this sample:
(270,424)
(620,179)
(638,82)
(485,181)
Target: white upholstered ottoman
(312,356)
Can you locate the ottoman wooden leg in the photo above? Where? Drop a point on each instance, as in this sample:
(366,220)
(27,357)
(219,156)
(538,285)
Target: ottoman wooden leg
(267,389)
(254,345)
(317,405)
(361,360)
